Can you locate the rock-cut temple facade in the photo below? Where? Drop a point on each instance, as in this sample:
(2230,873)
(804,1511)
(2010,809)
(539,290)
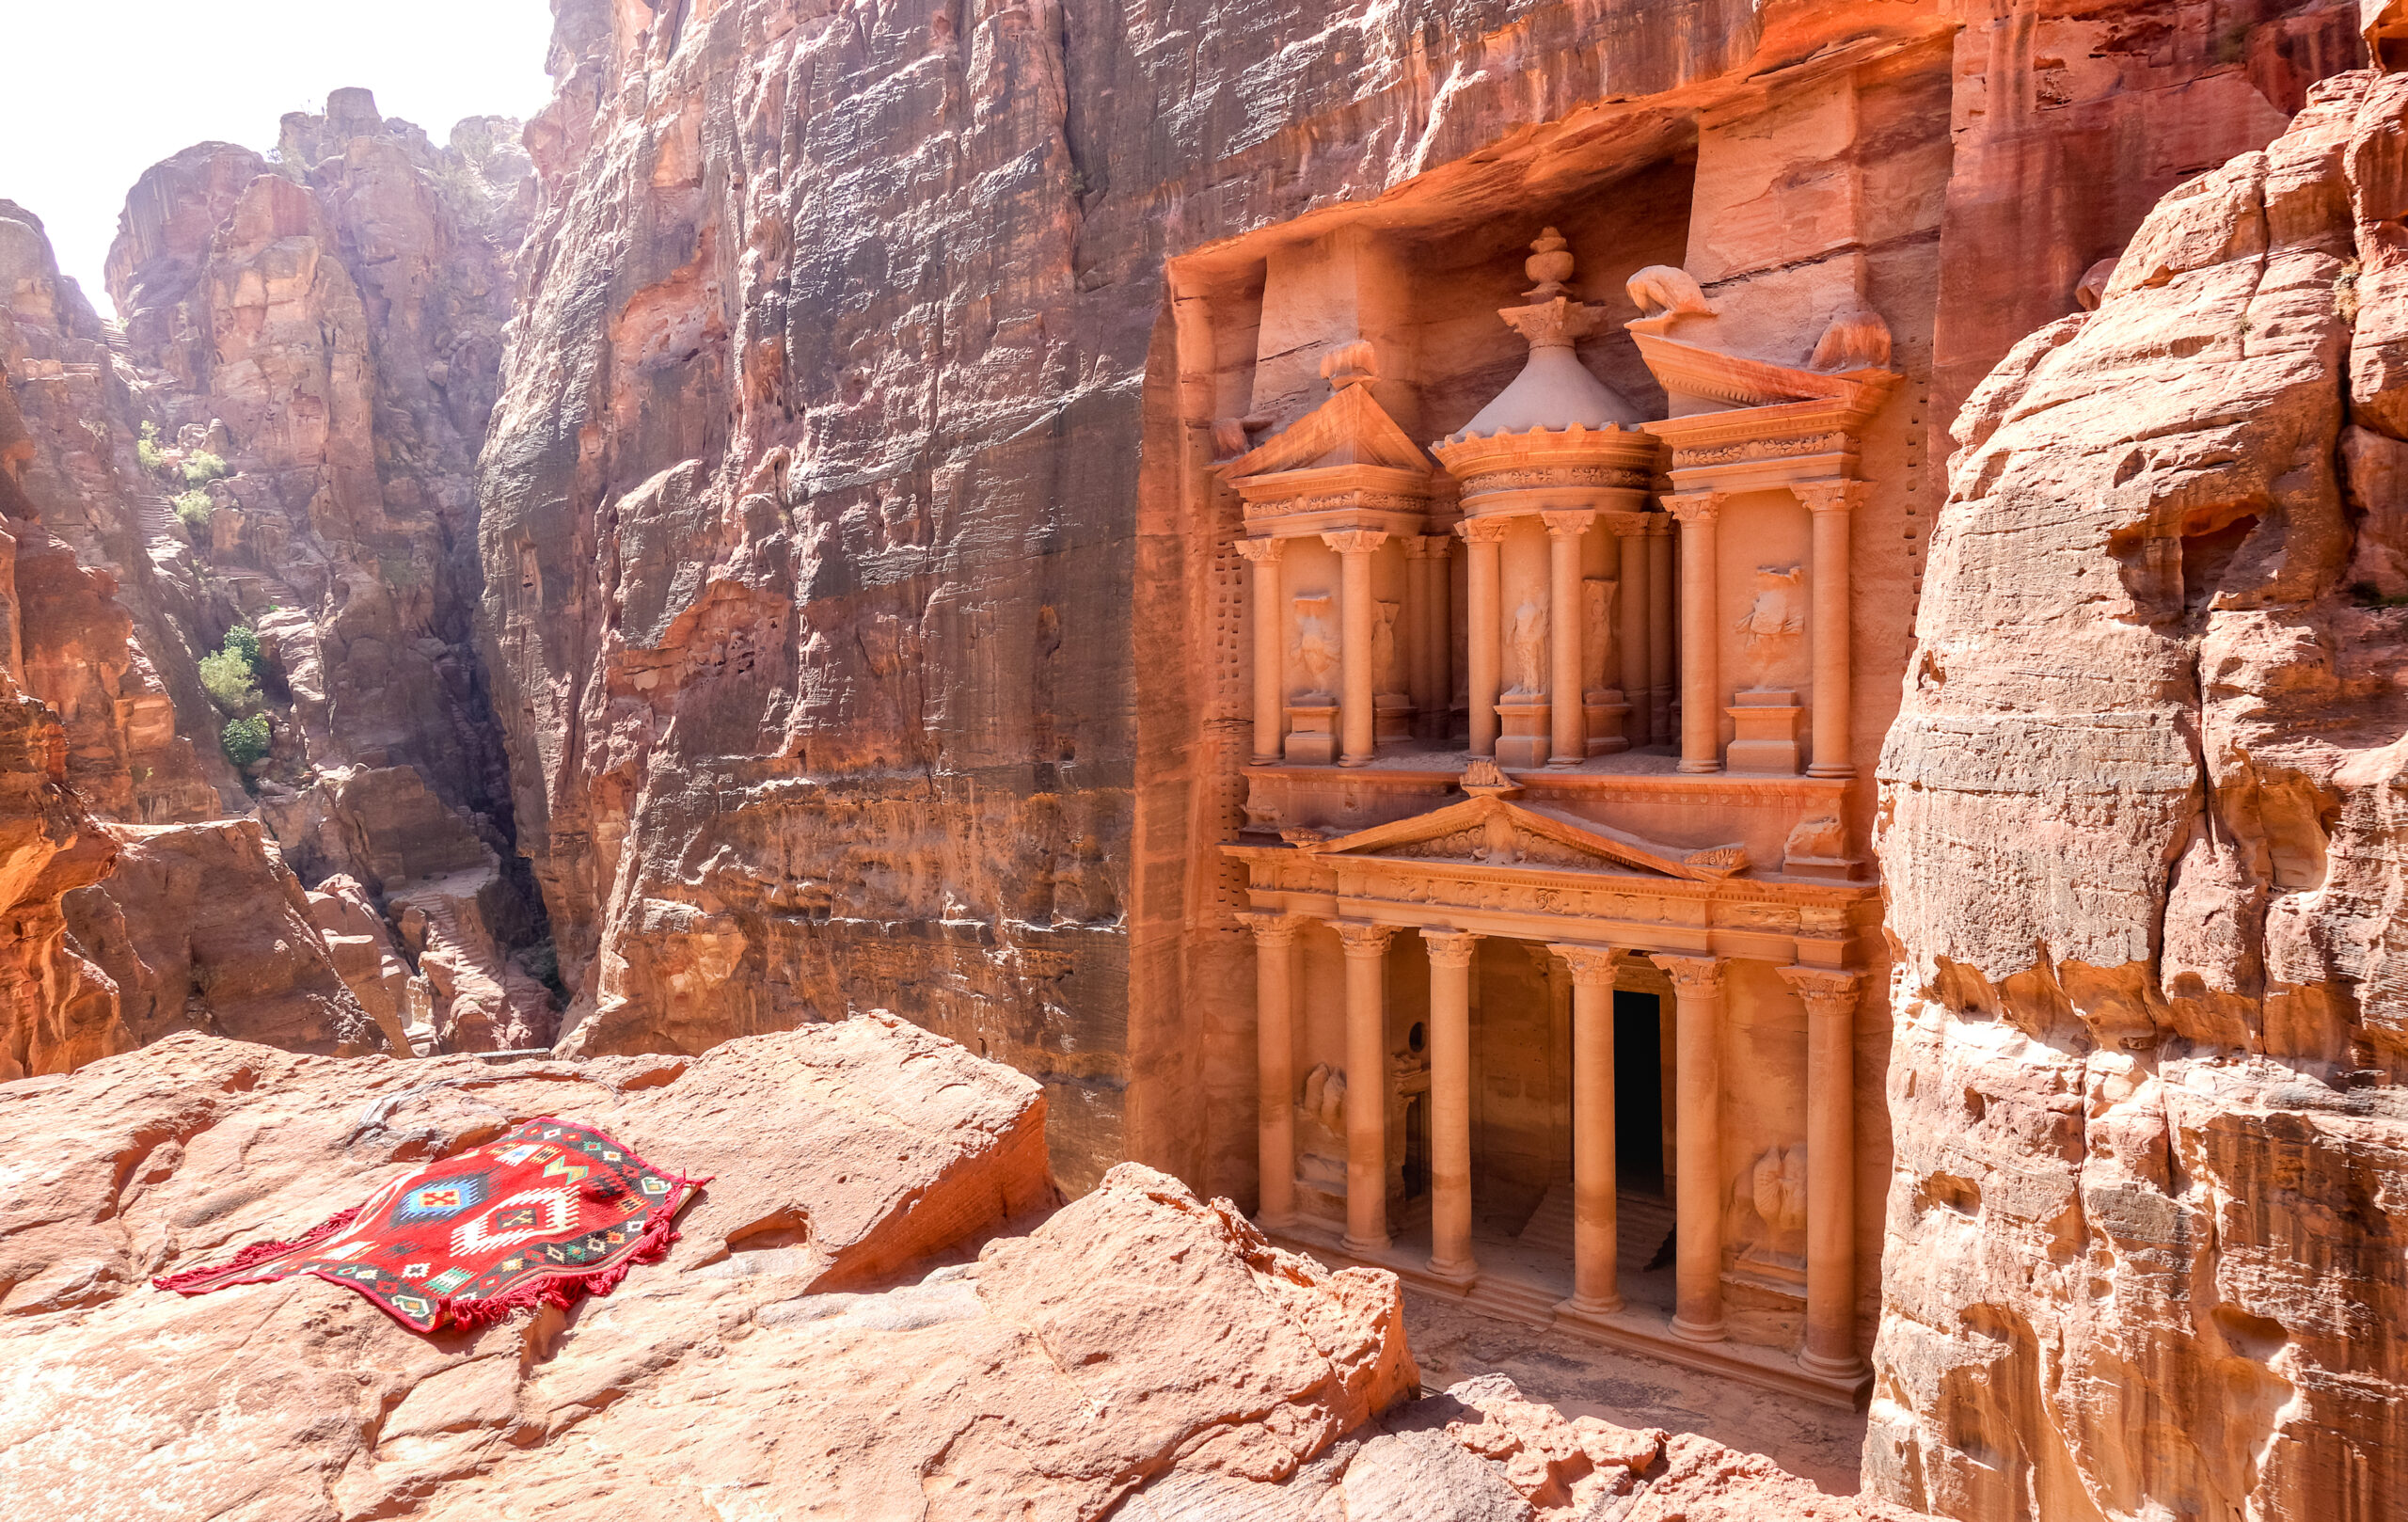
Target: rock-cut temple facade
(1567,966)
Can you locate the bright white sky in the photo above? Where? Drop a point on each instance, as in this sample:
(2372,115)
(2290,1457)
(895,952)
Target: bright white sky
(98,91)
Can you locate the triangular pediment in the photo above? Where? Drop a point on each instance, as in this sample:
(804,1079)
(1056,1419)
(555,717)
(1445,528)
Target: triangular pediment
(1348,429)
(1496,832)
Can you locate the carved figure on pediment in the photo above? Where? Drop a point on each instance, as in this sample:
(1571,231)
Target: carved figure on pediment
(1857,339)
(1602,597)
(1528,643)
(1385,677)
(1779,610)
(1664,290)
(1316,646)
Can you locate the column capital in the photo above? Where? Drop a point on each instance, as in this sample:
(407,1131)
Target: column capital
(1272,928)
(1364,939)
(1694,506)
(1263,550)
(1592,966)
(1355,540)
(1694,976)
(1828,992)
(1420,547)
(1567,525)
(1487,531)
(1450,948)
(1438,546)
(1833,495)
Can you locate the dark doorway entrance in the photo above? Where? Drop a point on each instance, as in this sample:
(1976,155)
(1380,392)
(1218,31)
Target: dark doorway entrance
(1639,1092)
(1417,1147)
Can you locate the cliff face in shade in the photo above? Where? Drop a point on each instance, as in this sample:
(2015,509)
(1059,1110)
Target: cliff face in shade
(2144,846)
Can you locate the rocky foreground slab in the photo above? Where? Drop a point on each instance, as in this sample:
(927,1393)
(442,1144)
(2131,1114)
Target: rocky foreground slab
(876,1311)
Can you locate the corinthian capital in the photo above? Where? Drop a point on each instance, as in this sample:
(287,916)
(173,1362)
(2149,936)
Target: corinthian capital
(1592,966)
(1271,928)
(1450,948)
(1828,992)
(1363,939)
(1828,496)
(1355,540)
(1694,506)
(1567,525)
(1487,530)
(1693,978)
(1261,552)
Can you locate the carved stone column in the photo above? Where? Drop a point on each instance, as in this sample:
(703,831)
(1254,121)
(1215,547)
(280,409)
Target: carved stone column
(1568,736)
(1594,1292)
(1635,611)
(1425,606)
(1274,1041)
(1483,639)
(1366,1085)
(1450,1256)
(1355,715)
(1270,646)
(1830,996)
(1832,504)
(1660,634)
(1696,990)
(1701,632)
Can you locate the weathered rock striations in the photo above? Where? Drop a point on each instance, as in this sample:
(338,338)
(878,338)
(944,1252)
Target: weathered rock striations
(2143,843)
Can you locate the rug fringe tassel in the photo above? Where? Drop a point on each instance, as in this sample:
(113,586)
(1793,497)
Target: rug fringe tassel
(200,1280)
(562,1289)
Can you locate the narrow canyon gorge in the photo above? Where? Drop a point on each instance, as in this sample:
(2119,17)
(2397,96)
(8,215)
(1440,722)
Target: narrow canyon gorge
(1195,694)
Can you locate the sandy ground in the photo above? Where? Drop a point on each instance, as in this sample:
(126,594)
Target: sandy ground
(1453,1343)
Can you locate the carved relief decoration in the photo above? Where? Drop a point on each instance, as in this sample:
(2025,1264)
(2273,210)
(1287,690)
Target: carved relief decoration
(1779,610)
(1600,597)
(1528,640)
(1316,647)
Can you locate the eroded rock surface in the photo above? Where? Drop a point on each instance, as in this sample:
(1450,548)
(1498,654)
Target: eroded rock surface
(201,927)
(2144,848)
(865,1303)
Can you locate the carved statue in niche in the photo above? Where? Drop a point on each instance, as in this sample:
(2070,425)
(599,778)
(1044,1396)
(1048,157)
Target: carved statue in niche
(1385,675)
(1316,646)
(1529,643)
(1778,611)
(1777,1187)
(1602,596)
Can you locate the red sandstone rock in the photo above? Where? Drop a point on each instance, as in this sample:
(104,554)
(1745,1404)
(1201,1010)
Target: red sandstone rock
(202,928)
(1139,1332)
(2143,848)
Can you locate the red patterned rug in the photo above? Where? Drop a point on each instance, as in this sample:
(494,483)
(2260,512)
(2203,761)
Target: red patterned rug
(547,1213)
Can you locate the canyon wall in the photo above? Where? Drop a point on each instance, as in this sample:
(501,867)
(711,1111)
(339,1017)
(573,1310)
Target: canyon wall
(856,599)
(2143,843)
(280,439)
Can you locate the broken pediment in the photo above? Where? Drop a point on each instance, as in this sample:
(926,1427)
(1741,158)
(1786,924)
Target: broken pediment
(1493,831)
(1349,429)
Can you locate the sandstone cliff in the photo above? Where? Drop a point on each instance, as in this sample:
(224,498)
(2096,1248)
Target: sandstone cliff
(2143,845)
(865,1318)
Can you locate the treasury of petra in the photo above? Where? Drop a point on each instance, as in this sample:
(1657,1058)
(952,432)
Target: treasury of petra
(1552,814)
(1193,760)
